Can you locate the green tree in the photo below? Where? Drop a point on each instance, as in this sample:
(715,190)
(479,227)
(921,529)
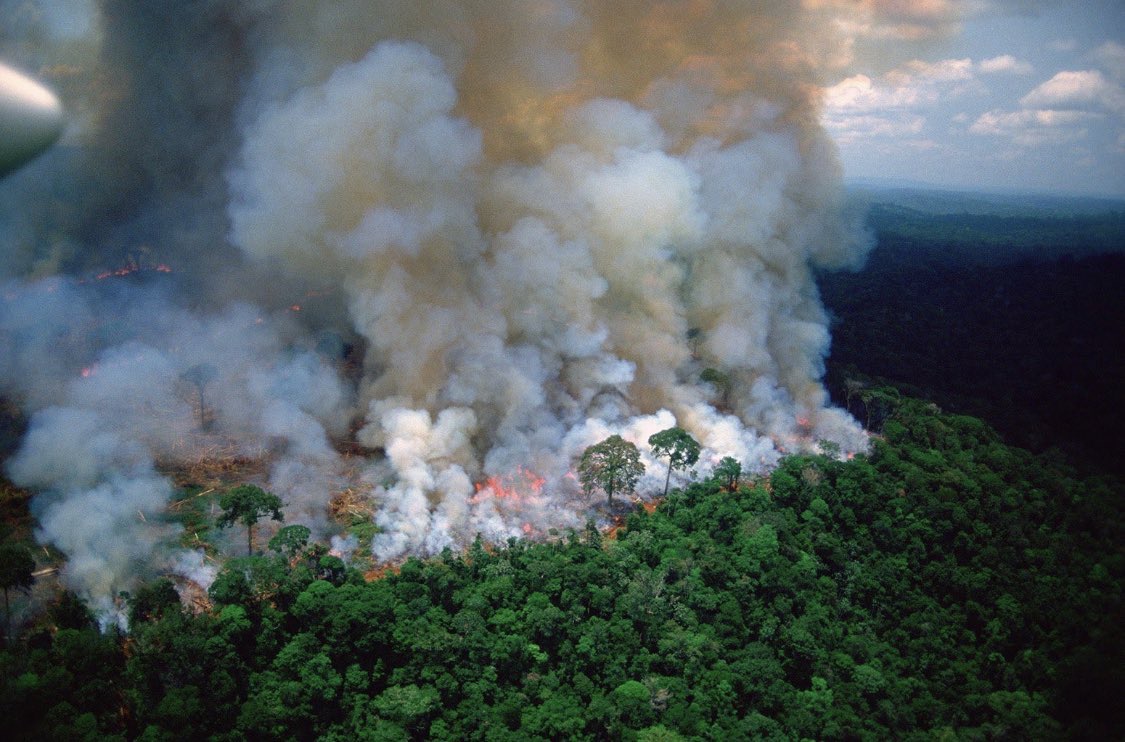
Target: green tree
(247,504)
(68,611)
(879,404)
(728,470)
(152,601)
(614,465)
(290,540)
(677,444)
(16,566)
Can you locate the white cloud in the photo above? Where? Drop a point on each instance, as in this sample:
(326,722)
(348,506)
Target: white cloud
(1008,122)
(1005,63)
(1034,127)
(1079,89)
(891,105)
(946,70)
(847,129)
(914,84)
(1060,109)
(922,145)
(861,93)
(1111,56)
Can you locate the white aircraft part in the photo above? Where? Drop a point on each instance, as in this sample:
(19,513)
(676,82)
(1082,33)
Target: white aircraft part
(31,119)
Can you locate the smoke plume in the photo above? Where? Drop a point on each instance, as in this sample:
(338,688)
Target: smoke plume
(470,237)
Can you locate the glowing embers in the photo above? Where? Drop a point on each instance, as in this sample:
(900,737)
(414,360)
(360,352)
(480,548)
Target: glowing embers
(132,267)
(799,436)
(516,496)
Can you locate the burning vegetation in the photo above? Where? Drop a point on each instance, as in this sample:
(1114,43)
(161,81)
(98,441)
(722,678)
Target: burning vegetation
(417,272)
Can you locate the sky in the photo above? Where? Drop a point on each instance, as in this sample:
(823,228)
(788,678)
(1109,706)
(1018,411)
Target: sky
(1012,96)
(1015,95)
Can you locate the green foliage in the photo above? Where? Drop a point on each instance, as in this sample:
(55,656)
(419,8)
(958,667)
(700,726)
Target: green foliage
(247,504)
(727,471)
(193,511)
(614,465)
(68,611)
(290,540)
(677,444)
(943,586)
(1035,348)
(16,566)
(152,601)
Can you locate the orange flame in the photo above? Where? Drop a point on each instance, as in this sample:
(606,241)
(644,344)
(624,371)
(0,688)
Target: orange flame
(512,488)
(129,269)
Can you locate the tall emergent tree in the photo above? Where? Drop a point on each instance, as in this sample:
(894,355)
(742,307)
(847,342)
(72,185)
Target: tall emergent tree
(16,567)
(677,444)
(247,504)
(728,470)
(614,465)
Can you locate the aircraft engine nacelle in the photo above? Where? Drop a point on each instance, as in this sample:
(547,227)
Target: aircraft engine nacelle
(31,119)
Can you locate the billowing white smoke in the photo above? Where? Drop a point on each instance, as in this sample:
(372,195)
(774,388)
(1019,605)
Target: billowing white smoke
(515,307)
(541,222)
(98,431)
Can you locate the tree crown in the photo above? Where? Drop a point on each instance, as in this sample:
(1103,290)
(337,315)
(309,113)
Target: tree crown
(247,504)
(677,444)
(613,464)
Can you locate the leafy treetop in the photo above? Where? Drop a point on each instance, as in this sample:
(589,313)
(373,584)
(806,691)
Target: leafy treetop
(247,504)
(677,444)
(614,465)
(728,470)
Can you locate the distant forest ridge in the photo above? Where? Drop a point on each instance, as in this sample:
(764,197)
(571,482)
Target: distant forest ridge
(950,226)
(937,200)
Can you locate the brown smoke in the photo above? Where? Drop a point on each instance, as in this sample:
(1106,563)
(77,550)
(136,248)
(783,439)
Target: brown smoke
(542,219)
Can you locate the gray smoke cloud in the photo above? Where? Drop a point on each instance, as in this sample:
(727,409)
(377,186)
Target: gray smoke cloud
(536,224)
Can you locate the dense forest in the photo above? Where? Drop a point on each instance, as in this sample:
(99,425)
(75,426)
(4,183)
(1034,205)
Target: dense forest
(956,582)
(1023,332)
(945,585)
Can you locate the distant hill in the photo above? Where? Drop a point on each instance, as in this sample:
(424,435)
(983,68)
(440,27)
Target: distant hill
(949,226)
(948,201)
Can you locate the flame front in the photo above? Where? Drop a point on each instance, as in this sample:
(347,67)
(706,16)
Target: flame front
(512,489)
(517,496)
